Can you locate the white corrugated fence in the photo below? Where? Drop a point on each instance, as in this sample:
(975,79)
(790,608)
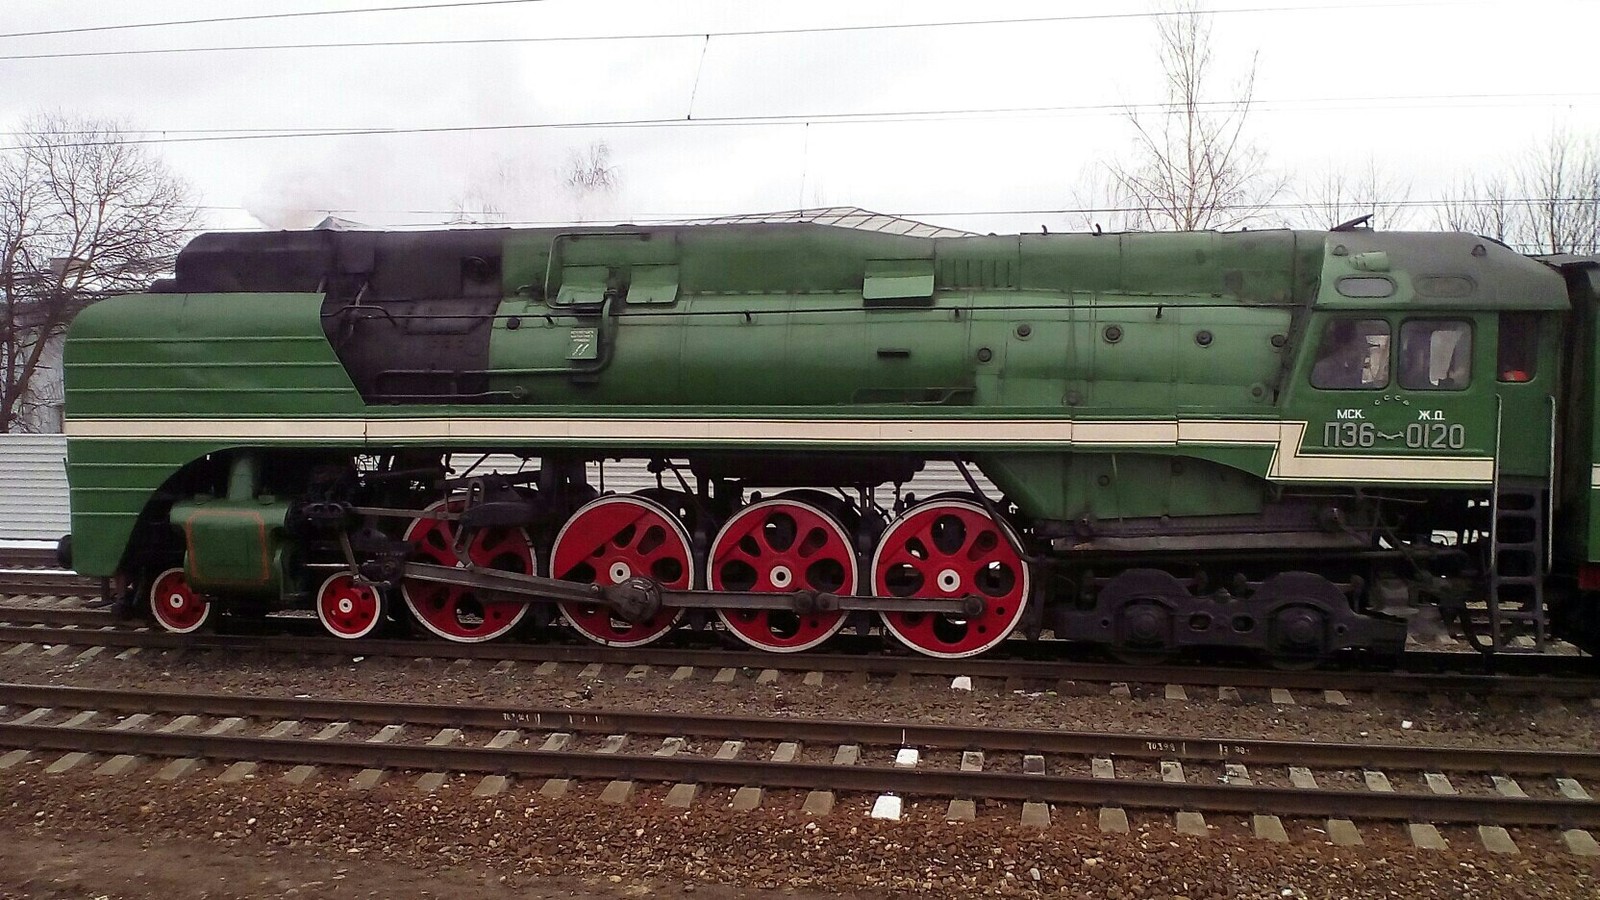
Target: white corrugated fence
(33,487)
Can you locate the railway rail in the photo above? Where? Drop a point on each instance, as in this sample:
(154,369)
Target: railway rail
(1420,671)
(90,628)
(27,557)
(562,744)
(24,580)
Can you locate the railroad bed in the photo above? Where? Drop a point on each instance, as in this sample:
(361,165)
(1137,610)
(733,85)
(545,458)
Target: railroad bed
(33,593)
(54,627)
(734,760)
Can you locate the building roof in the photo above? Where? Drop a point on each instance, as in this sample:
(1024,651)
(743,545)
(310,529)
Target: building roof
(839,217)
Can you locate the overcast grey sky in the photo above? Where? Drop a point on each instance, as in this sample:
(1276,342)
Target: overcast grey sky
(1429,90)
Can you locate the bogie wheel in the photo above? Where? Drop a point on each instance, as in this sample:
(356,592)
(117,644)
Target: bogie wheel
(780,546)
(458,613)
(176,606)
(347,609)
(949,549)
(610,540)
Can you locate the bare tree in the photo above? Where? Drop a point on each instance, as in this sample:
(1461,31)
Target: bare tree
(1485,206)
(487,195)
(1561,183)
(591,170)
(1550,202)
(513,187)
(83,214)
(1192,165)
(1338,195)
(590,176)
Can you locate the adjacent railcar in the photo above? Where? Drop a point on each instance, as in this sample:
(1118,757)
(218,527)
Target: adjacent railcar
(1288,441)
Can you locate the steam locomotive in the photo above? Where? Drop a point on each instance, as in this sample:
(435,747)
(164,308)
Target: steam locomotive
(1293,443)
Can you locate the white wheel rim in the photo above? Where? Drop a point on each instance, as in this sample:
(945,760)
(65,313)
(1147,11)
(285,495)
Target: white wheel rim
(852,574)
(1024,574)
(405,591)
(345,606)
(677,529)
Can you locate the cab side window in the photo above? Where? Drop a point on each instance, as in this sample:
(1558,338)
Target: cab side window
(1518,357)
(1435,355)
(1353,354)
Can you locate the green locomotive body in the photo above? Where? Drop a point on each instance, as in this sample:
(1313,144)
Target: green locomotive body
(1286,440)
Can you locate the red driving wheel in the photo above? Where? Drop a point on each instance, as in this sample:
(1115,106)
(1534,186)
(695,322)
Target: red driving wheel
(780,546)
(458,613)
(949,549)
(610,540)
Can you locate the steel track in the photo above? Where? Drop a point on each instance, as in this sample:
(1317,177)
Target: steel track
(897,734)
(93,628)
(27,557)
(51,582)
(1145,794)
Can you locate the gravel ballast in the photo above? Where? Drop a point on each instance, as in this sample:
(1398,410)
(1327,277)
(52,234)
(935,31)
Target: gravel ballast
(400,837)
(80,835)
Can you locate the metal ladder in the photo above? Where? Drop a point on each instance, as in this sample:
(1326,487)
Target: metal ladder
(1517,570)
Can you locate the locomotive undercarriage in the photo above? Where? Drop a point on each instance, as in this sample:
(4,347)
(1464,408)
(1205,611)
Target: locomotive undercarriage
(473,557)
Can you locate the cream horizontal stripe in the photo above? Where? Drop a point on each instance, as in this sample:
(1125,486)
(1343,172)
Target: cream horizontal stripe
(220,429)
(1432,469)
(1203,431)
(1594,477)
(1289,462)
(961,431)
(1125,433)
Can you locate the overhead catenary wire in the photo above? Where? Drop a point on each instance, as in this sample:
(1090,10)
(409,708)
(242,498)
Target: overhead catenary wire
(413,7)
(180,136)
(258,17)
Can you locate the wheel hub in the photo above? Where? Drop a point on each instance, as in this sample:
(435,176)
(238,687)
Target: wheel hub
(950,549)
(457,613)
(781,545)
(615,540)
(1145,624)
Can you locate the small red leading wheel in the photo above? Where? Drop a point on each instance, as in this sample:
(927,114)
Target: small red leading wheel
(610,540)
(176,606)
(779,546)
(347,609)
(457,613)
(951,549)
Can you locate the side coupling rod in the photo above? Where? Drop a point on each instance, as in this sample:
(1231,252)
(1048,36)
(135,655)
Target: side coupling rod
(637,599)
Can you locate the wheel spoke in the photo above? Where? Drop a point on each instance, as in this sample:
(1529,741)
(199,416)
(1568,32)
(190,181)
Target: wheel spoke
(458,613)
(490,544)
(735,566)
(983,564)
(617,527)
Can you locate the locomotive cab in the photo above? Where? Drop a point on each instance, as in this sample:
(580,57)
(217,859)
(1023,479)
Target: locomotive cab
(1428,386)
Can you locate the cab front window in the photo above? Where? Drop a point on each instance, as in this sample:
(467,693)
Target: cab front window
(1435,355)
(1353,354)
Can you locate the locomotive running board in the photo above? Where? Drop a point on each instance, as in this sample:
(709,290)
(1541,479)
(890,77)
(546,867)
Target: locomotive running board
(533,588)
